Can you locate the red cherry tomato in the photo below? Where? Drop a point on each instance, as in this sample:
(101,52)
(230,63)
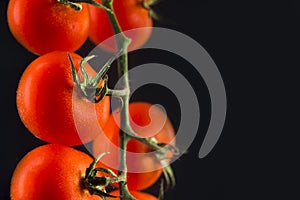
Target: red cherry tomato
(53,108)
(138,195)
(131,15)
(42,26)
(51,172)
(144,168)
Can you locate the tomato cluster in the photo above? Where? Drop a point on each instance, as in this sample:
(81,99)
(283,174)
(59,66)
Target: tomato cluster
(47,165)
(56,110)
(42,26)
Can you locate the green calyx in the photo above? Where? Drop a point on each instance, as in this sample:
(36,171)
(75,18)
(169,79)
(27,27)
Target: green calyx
(90,85)
(147,4)
(95,184)
(161,155)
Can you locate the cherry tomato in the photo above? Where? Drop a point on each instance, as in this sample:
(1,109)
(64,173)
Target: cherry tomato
(51,172)
(131,15)
(138,195)
(149,121)
(53,108)
(42,26)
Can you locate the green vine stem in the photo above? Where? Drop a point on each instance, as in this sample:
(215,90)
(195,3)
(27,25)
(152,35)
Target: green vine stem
(92,182)
(126,131)
(122,43)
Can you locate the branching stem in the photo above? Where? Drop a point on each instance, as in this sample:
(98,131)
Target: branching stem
(122,42)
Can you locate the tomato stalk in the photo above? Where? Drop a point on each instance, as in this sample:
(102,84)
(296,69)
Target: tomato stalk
(126,132)
(122,43)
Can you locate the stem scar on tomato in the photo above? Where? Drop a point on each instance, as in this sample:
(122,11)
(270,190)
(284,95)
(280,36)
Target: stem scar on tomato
(75,4)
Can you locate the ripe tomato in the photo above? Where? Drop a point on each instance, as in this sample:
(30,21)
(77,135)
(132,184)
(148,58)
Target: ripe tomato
(42,26)
(53,108)
(131,15)
(143,168)
(51,172)
(138,195)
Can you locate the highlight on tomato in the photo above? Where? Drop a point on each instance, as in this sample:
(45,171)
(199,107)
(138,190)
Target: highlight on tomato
(131,14)
(143,166)
(42,26)
(51,171)
(51,105)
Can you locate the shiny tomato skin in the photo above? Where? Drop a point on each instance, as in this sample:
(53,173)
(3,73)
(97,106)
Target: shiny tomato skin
(42,26)
(148,166)
(52,107)
(138,195)
(51,172)
(130,14)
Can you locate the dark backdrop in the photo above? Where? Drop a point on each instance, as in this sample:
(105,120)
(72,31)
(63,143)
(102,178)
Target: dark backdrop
(255,45)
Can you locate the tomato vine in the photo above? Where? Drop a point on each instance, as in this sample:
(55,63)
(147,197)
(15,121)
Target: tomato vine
(126,131)
(95,89)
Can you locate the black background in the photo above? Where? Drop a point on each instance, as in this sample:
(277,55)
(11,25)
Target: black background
(255,45)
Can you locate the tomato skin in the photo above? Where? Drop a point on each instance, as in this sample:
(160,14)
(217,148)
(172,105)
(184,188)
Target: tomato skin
(130,14)
(52,107)
(147,164)
(51,172)
(138,195)
(42,26)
